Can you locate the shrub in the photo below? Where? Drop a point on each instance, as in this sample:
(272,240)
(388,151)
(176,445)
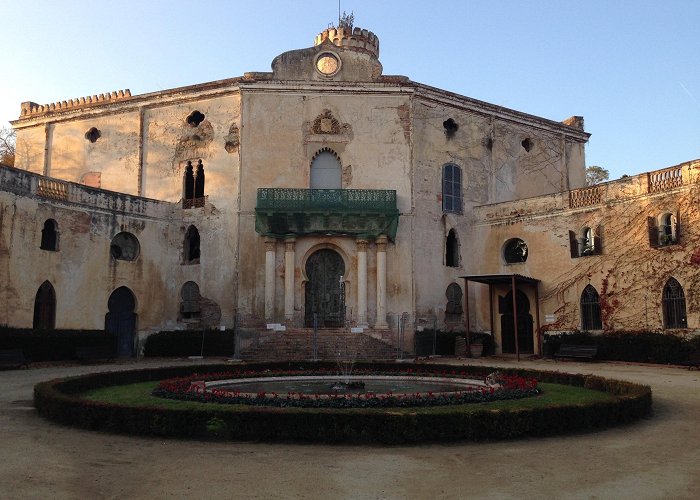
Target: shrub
(189,343)
(53,345)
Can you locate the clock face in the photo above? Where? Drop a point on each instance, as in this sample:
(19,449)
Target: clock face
(327,64)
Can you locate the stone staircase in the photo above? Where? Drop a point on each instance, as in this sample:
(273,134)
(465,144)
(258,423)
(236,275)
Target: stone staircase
(298,344)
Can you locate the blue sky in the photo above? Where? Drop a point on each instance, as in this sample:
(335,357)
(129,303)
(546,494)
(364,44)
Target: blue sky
(631,68)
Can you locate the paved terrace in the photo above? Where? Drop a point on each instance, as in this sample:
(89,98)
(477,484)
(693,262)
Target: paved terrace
(655,458)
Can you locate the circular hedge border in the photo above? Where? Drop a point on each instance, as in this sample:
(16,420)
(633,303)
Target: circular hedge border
(60,400)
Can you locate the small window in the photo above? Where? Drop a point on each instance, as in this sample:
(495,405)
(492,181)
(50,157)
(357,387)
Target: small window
(93,134)
(590,310)
(515,251)
(453,309)
(673,304)
(49,236)
(450,127)
(125,246)
(193,186)
(587,242)
(191,246)
(452,188)
(527,144)
(190,307)
(452,249)
(45,307)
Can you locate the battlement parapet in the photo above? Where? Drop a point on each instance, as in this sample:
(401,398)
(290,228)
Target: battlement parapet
(355,39)
(33,109)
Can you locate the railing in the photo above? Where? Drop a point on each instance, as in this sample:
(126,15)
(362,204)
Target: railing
(668,178)
(584,197)
(50,188)
(318,200)
(194,202)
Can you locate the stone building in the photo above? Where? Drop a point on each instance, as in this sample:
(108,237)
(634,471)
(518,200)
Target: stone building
(325,193)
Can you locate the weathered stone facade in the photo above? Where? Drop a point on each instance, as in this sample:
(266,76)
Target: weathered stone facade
(408,187)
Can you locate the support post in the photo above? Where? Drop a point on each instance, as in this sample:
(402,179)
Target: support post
(381,323)
(289,278)
(362,283)
(515,318)
(270,244)
(466,316)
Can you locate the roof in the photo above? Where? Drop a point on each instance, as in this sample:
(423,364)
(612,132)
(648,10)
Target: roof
(500,279)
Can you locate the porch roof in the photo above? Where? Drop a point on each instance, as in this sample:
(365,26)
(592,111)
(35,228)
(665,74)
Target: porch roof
(500,279)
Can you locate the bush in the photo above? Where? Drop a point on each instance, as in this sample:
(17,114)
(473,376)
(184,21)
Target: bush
(60,400)
(640,347)
(54,345)
(189,343)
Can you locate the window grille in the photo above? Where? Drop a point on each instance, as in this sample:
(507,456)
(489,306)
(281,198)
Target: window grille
(452,188)
(590,310)
(673,303)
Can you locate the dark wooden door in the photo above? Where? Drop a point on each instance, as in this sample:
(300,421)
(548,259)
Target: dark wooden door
(325,293)
(121,320)
(526,343)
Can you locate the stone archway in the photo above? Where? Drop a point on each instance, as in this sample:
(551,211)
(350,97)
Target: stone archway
(121,320)
(325,293)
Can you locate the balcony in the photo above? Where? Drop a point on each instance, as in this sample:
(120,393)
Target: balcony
(358,212)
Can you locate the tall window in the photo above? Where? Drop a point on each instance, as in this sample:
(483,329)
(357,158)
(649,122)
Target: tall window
(664,229)
(191,246)
(673,304)
(452,250)
(193,186)
(326,171)
(452,188)
(189,307)
(590,309)
(49,236)
(45,307)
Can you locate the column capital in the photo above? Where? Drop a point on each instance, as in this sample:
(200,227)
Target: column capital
(361,244)
(381,243)
(289,243)
(270,244)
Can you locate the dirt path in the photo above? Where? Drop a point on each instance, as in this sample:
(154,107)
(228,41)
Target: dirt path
(655,458)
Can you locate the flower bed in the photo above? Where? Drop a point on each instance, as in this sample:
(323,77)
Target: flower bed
(192,389)
(61,400)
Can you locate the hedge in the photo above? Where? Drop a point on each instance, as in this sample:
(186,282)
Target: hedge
(189,343)
(445,342)
(54,345)
(640,347)
(60,400)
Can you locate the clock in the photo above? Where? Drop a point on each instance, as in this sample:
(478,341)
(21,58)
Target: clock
(327,63)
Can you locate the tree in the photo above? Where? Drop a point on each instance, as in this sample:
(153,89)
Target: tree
(596,175)
(7,146)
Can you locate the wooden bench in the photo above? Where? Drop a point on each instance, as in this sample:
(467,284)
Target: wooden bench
(577,351)
(94,353)
(12,358)
(692,361)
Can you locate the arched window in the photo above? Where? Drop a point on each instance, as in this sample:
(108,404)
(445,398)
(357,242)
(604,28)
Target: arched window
(45,307)
(588,241)
(326,171)
(514,251)
(453,309)
(673,303)
(49,236)
(124,246)
(189,307)
(452,250)
(191,246)
(193,186)
(452,188)
(664,229)
(590,310)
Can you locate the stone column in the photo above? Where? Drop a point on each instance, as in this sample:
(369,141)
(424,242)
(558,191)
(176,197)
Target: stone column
(362,283)
(270,244)
(289,279)
(381,323)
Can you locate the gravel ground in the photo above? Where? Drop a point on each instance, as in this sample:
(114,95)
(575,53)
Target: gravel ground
(655,458)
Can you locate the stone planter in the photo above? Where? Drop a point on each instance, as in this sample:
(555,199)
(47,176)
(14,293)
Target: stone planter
(476,350)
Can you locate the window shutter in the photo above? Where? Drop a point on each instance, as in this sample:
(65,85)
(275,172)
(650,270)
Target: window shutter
(598,240)
(573,244)
(677,239)
(653,232)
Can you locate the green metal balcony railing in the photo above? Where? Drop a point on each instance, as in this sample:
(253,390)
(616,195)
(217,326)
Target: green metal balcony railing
(369,212)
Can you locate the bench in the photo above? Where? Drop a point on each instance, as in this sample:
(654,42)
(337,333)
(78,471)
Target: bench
(12,358)
(93,353)
(692,361)
(577,351)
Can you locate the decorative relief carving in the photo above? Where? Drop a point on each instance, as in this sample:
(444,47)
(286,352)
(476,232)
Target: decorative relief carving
(325,123)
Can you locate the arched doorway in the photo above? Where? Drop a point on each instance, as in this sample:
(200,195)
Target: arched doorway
(44,307)
(526,344)
(325,291)
(121,320)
